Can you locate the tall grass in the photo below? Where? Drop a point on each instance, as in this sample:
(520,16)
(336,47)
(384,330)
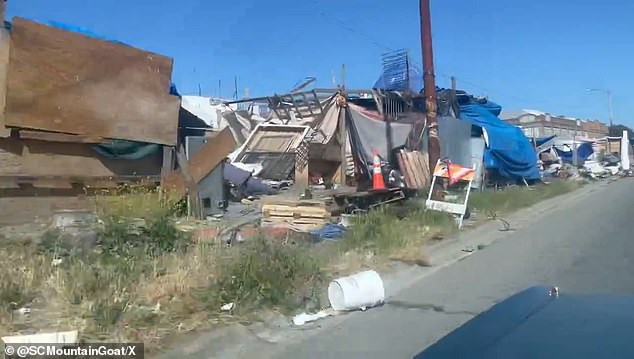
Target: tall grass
(145,279)
(514,198)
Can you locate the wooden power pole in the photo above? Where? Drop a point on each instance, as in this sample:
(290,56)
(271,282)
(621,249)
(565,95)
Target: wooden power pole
(429,83)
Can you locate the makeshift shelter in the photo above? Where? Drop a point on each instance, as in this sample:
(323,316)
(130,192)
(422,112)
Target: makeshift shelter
(509,152)
(82,109)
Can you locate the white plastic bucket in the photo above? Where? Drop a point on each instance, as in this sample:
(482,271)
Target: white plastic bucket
(359,291)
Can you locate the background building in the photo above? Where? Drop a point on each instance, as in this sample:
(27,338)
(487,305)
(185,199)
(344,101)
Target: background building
(540,124)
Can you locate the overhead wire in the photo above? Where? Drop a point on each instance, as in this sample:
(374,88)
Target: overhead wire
(382,46)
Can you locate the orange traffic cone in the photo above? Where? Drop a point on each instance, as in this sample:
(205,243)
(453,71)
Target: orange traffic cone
(377,175)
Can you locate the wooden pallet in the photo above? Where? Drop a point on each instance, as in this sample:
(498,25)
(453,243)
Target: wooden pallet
(300,224)
(272,210)
(315,203)
(303,215)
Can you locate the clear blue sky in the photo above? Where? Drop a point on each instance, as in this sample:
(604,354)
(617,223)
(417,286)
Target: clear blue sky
(537,54)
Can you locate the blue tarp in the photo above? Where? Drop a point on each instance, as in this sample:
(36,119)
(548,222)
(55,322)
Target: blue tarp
(329,231)
(584,151)
(82,31)
(509,150)
(541,140)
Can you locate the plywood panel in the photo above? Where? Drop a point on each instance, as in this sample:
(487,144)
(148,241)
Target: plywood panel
(203,161)
(42,158)
(63,81)
(4,62)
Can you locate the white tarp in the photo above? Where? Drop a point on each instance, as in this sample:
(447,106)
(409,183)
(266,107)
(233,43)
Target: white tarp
(202,108)
(625,151)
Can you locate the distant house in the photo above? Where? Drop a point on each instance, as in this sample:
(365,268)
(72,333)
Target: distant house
(541,124)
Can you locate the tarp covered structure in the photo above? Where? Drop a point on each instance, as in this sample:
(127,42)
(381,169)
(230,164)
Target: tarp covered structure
(584,151)
(370,129)
(509,151)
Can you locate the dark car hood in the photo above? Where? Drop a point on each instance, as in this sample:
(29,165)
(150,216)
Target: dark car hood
(537,323)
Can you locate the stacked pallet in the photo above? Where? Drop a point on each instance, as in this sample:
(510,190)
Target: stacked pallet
(414,166)
(303,215)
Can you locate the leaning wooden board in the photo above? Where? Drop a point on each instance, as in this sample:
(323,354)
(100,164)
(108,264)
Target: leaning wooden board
(202,162)
(4,63)
(62,81)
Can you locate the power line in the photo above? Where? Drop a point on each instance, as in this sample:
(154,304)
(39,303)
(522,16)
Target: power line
(378,44)
(347,27)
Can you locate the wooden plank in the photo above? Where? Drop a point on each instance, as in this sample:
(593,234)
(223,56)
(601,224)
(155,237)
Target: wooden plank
(61,182)
(203,161)
(411,166)
(421,171)
(295,203)
(195,204)
(4,63)
(167,166)
(58,137)
(422,162)
(62,81)
(404,170)
(42,158)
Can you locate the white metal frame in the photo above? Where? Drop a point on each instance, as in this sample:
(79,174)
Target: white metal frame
(458,209)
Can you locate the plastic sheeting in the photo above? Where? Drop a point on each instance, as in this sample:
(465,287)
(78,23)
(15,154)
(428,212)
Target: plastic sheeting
(509,150)
(126,150)
(371,136)
(247,184)
(395,83)
(584,151)
(625,151)
(455,140)
(541,140)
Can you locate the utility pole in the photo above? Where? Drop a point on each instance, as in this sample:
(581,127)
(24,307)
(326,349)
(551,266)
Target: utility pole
(609,94)
(235,87)
(430,85)
(343,76)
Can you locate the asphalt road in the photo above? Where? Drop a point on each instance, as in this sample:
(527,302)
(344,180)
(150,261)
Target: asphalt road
(584,246)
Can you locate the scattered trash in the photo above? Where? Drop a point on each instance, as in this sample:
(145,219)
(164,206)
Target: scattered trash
(304,318)
(329,231)
(57,261)
(24,311)
(360,291)
(227,307)
(346,220)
